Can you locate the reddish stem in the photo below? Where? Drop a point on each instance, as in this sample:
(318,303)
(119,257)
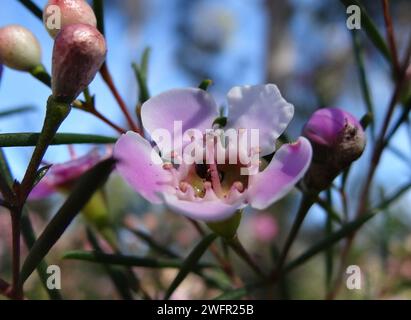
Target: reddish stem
(390,36)
(105,73)
(15,225)
(107,121)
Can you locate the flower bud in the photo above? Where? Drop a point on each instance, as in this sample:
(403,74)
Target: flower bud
(78,54)
(19,48)
(60,13)
(337,139)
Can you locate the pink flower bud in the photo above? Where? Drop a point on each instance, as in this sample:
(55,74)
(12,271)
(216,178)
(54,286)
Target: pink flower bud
(19,48)
(337,139)
(78,54)
(60,13)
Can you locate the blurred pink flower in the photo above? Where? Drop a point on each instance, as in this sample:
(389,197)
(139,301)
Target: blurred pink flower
(62,176)
(264,226)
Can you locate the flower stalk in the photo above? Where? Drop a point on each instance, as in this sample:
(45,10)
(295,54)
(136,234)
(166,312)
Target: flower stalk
(305,205)
(55,115)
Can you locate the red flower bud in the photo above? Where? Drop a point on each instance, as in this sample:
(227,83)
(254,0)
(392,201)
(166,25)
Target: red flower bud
(19,48)
(78,54)
(60,13)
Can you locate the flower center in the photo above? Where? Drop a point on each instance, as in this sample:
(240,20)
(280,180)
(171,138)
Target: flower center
(220,178)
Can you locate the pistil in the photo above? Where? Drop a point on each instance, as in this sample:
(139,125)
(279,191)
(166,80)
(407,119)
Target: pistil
(215,179)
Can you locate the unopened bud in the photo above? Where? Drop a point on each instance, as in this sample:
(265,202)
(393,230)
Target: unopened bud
(19,48)
(337,139)
(78,54)
(58,14)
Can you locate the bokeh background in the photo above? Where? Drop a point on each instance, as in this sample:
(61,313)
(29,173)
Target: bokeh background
(305,48)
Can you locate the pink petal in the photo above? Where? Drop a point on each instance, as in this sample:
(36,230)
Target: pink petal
(42,190)
(62,174)
(287,167)
(259,107)
(326,125)
(71,170)
(208,211)
(195,108)
(140,166)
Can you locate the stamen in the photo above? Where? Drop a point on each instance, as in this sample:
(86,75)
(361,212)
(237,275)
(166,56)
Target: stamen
(168,166)
(239,186)
(183,186)
(209,193)
(212,166)
(173,173)
(215,179)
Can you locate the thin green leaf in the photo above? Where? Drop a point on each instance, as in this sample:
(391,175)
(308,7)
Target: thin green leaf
(365,90)
(16,111)
(366,120)
(235,294)
(329,252)
(117,276)
(91,181)
(33,8)
(190,263)
(329,241)
(145,59)
(371,30)
(144,93)
(41,173)
(153,244)
(240,293)
(329,210)
(41,74)
(5,168)
(30,139)
(6,180)
(400,154)
(405,112)
(125,260)
(30,238)
(394,197)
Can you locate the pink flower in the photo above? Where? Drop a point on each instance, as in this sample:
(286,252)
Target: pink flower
(212,191)
(61,177)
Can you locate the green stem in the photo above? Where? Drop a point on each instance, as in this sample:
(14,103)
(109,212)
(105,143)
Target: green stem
(306,202)
(55,115)
(40,73)
(30,238)
(238,248)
